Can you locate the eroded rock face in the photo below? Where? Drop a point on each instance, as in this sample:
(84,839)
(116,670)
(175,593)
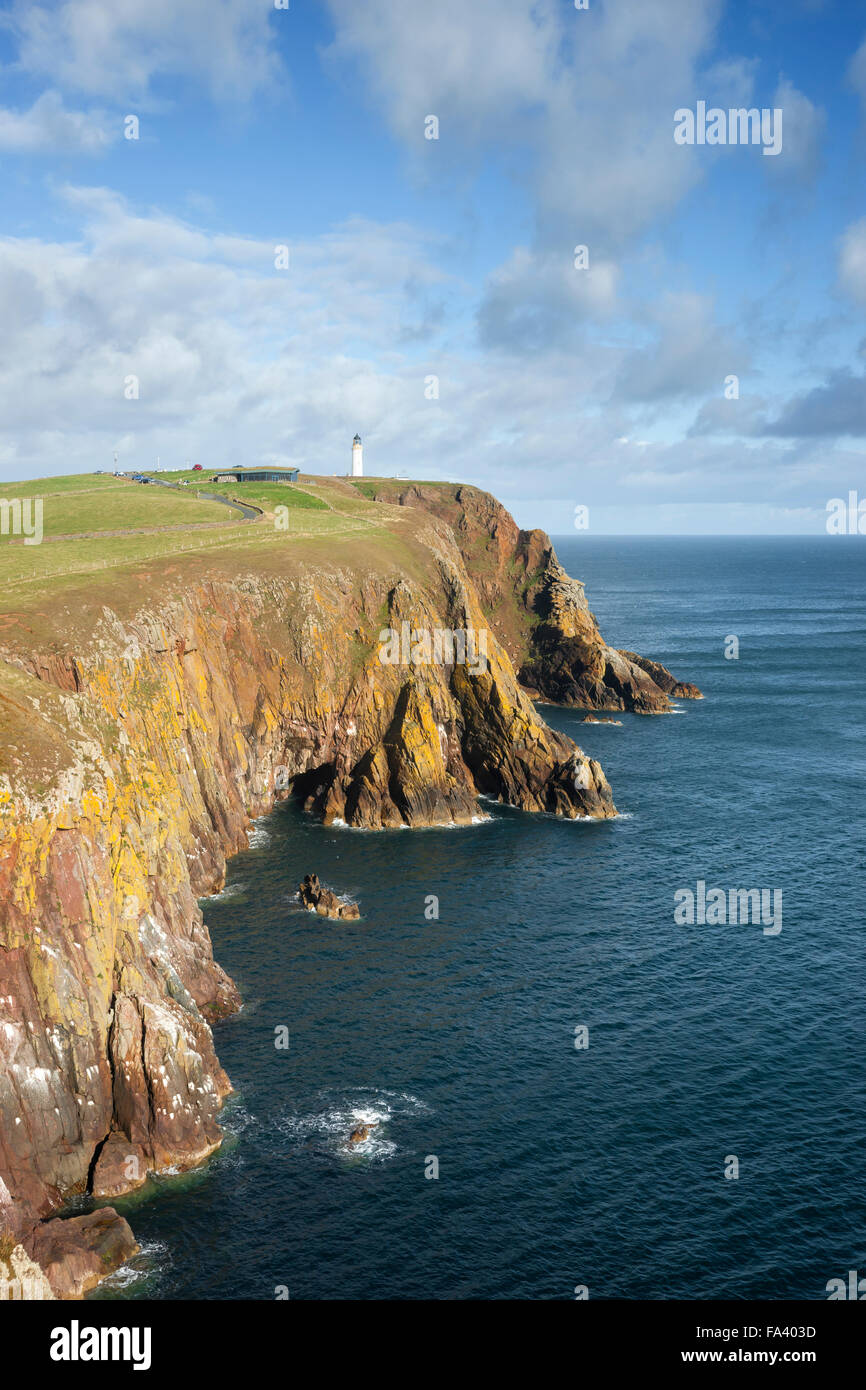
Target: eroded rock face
(539,612)
(324,901)
(435,736)
(186,708)
(168,1087)
(569,662)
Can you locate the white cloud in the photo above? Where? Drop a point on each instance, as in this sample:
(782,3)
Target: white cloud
(538,301)
(583,100)
(50,127)
(803,126)
(240,362)
(479,68)
(857,72)
(688,353)
(590,94)
(231,353)
(852,261)
(730,82)
(115,48)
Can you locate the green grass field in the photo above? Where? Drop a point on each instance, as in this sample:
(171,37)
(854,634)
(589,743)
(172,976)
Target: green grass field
(267,495)
(70,482)
(102,526)
(122,508)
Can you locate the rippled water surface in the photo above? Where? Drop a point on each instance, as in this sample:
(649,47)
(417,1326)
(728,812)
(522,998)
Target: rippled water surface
(454,1038)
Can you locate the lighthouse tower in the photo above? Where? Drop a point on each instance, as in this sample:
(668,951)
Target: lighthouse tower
(357,458)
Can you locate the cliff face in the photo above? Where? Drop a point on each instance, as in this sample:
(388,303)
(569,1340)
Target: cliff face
(143,725)
(542,613)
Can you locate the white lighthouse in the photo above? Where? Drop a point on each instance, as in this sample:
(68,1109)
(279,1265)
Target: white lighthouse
(357,458)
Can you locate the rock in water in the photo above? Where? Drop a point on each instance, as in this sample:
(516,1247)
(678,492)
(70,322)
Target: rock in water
(77,1252)
(317,898)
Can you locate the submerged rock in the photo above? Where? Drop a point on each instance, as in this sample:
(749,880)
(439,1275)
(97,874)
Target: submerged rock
(317,898)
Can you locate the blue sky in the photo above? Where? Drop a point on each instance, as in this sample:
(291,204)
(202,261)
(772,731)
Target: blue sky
(411,258)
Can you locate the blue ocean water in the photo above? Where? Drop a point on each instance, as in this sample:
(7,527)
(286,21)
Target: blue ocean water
(559,1167)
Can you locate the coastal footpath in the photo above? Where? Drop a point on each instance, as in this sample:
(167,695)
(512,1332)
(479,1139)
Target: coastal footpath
(149,712)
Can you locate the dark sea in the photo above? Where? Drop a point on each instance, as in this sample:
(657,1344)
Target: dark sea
(711,1048)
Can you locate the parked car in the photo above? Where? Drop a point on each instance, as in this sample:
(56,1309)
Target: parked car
(197,468)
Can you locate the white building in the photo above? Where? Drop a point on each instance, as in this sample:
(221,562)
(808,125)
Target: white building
(357,458)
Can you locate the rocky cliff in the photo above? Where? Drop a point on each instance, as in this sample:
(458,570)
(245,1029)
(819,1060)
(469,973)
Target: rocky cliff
(145,718)
(539,611)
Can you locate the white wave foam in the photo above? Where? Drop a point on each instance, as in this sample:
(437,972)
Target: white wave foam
(234,1118)
(152,1258)
(332,1125)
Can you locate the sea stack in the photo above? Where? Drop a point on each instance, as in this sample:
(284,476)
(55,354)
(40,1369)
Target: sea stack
(317,898)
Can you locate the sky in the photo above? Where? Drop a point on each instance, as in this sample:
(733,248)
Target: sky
(228,238)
